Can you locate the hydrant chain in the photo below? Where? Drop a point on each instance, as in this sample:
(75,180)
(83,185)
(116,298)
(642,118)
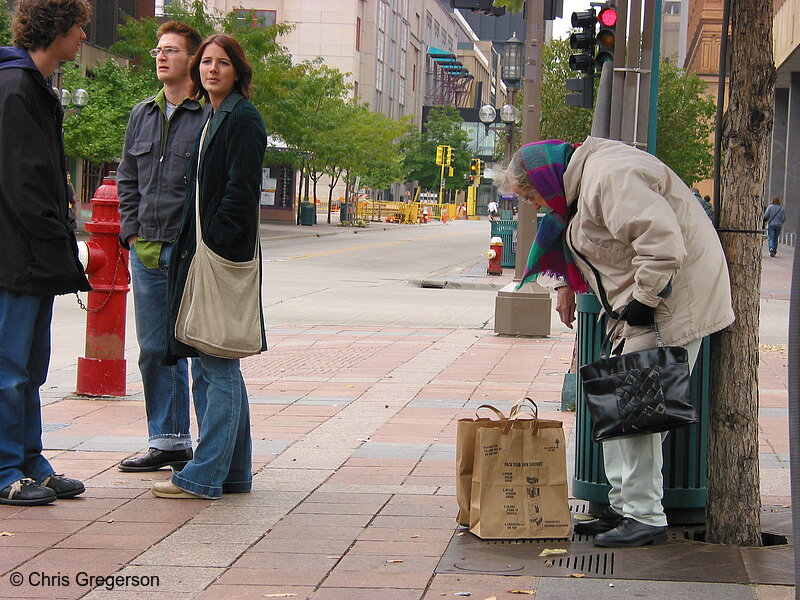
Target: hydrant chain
(108,294)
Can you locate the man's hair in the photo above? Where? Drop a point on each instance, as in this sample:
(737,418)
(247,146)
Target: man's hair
(37,22)
(189,33)
(244,72)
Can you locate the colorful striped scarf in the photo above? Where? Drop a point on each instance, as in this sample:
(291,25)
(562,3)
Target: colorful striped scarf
(546,162)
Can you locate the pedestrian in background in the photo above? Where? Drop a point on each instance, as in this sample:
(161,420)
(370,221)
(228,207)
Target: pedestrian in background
(229,179)
(492,209)
(628,215)
(151,183)
(774,218)
(40,254)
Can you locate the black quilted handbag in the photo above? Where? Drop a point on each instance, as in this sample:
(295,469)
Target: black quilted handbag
(641,392)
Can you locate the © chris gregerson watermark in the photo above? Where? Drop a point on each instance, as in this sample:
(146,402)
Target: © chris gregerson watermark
(82,579)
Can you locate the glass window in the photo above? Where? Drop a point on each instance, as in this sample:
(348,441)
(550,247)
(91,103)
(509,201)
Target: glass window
(358,34)
(255,18)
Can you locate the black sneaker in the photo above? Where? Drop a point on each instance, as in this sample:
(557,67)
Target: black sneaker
(26,492)
(63,486)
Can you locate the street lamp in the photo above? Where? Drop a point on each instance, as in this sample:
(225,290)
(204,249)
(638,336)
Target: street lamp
(513,63)
(80,98)
(513,59)
(487,114)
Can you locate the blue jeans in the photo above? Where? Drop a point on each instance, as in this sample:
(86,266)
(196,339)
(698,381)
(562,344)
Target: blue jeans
(773,231)
(223,458)
(166,389)
(24,359)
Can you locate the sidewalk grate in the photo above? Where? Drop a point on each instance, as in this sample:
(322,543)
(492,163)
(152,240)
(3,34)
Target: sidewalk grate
(683,558)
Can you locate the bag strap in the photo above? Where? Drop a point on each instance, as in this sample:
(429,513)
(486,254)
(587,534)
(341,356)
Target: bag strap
(601,291)
(775,216)
(198,230)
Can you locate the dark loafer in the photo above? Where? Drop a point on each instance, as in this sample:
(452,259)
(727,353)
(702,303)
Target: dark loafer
(630,533)
(155,459)
(63,486)
(26,492)
(607,520)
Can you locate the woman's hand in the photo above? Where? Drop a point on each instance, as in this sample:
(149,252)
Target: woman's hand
(565,305)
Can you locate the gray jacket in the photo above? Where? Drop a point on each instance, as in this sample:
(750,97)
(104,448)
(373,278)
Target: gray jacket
(151,179)
(775,215)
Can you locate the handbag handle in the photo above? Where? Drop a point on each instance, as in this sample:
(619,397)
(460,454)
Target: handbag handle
(610,334)
(198,230)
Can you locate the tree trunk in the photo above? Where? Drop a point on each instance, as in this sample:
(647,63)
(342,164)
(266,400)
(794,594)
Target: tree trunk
(300,192)
(734,499)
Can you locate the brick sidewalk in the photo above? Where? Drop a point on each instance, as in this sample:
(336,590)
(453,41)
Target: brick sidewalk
(354,444)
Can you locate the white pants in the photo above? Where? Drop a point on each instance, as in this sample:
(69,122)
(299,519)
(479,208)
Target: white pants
(633,465)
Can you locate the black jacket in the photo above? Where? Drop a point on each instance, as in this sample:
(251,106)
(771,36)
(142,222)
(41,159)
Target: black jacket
(230,193)
(40,255)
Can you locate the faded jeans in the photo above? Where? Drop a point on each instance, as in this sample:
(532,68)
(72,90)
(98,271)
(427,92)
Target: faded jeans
(166,389)
(24,360)
(222,461)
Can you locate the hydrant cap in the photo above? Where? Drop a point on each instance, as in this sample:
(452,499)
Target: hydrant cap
(496,241)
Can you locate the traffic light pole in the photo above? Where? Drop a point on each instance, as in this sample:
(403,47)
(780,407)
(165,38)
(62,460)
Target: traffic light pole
(527,311)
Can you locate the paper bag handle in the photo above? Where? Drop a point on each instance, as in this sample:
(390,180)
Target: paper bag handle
(496,411)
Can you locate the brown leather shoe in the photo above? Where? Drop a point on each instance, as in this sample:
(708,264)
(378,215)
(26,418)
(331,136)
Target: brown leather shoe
(155,459)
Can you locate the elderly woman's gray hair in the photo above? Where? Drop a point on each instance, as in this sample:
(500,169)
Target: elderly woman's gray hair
(513,177)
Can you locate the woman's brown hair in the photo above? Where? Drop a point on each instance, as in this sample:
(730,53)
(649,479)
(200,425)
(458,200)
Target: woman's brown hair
(244,72)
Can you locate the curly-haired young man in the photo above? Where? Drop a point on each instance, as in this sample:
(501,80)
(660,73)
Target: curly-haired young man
(40,258)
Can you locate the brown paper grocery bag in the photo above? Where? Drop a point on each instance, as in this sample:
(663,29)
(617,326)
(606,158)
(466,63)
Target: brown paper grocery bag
(519,482)
(465,452)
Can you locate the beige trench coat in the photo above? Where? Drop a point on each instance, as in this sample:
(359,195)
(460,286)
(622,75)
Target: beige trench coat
(644,231)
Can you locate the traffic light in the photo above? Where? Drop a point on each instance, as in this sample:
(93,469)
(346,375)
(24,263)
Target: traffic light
(448,156)
(581,90)
(583,41)
(474,171)
(439,155)
(606,34)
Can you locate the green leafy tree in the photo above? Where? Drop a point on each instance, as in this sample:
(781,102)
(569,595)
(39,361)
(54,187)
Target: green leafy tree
(5,25)
(97,133)
(559,121)
(685,124)
(443,127)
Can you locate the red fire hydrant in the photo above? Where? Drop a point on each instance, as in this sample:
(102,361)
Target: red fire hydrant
(495,256)
(102,372)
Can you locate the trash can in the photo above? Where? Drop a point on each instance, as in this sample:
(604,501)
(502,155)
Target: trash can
(343,211)
(685,449)
(506,230)
(307,213)
(505,215)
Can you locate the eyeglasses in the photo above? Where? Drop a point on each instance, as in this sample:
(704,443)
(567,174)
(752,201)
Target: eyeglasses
(168,52)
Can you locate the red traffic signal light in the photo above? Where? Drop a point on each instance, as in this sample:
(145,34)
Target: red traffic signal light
(608,17)
(606,36)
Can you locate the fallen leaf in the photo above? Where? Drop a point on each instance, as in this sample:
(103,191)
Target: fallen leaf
(348,386)
(577,575)
(393,561)
(110,521)
(523,592)
(6,534)
(610,585)
(460,533)
(333,557)
(463,594)
(120,481)
(491,598)
(413,537)
(552,551)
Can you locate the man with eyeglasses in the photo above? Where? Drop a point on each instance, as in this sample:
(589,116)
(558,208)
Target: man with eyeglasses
(151,185)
